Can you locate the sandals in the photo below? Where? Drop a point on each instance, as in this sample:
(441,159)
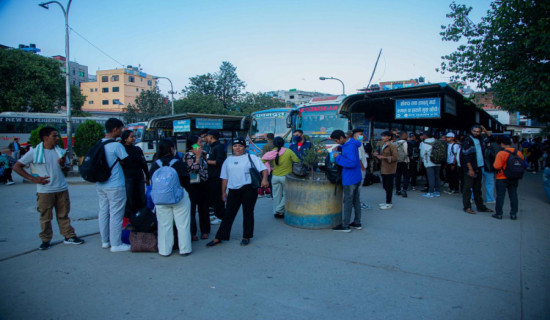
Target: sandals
(204,236)
(214,242)
(194,238)
(470,211)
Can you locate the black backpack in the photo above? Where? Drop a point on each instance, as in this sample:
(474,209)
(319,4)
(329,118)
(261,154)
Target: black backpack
(515,166)
(333,171)
(145,220)
(95,167)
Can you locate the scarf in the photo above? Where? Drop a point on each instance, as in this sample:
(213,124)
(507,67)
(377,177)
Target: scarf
(39,153)
(271,155)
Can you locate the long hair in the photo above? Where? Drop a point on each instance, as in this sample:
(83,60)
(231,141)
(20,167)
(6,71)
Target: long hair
(165,147)
(279,143)
(125,135)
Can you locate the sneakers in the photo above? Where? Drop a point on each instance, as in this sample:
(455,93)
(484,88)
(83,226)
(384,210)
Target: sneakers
(215,220)
(341,228)
(365,206)
(491,201)
(121,248)
(106,245)
(356,226)
(10,183)
(448,191)
(404,194)
(381,204)
(386,206)
(437,194)
(413,188)
(397,193)
(428,195)
(44,246)
(73,240)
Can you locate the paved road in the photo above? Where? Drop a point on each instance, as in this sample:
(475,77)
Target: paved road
(424,259)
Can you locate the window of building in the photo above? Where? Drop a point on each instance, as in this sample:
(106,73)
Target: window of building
(149,82)
(114,77)
(95,89)
(91,89)
(115,89)
(74,72)
(137,89)
(291,97)
(104,78)
(91,102)
(104,102)
(131,79)
(116,101)
(141,79)
(81,73)
(104,90)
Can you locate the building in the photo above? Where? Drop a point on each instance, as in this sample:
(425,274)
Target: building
(295,97)
(115,89)
(77,73)
(30,48)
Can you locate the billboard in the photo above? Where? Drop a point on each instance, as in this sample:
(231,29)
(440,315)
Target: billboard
(424,108)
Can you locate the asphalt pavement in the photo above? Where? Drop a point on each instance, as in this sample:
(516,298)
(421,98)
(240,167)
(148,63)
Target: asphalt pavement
(423,259)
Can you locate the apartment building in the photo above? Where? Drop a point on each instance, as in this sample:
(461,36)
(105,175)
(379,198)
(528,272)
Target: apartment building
(115,89)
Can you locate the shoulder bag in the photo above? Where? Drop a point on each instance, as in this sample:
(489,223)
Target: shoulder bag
(255,175)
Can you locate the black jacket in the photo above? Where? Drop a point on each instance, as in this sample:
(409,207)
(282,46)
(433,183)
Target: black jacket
(180,168)
(135,166)
(468,152)
(217,152)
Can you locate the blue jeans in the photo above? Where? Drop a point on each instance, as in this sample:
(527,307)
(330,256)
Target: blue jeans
(546,181)
(511,186)
(489,185)
(433,179)
(351,201)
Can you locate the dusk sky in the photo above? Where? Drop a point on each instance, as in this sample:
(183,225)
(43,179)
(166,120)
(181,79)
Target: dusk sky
(275,45)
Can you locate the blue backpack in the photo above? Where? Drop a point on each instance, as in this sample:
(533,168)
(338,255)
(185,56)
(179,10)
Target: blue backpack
(166,188)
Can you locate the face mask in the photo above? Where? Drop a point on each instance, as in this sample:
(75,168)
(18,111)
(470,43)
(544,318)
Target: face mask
(360,138)
(296,139)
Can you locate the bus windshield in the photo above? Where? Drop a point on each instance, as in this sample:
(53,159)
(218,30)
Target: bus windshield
(320,124)
(271,122)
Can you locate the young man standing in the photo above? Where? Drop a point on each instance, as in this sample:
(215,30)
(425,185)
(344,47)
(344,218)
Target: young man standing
(51,187)
(503,183)
(451,170)
(432,169)
(15,148)
(112,193)
(215,158)
(347,157)
(402,173)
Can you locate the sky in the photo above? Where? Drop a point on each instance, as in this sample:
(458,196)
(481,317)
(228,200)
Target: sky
(275,45)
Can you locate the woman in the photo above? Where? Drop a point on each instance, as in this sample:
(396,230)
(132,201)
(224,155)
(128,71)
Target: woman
(283,159)
(135,168)
(388,163)
(195,161)
(236,177)
(179,212)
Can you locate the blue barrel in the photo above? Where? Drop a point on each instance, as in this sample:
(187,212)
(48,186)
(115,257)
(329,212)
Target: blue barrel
(312,204)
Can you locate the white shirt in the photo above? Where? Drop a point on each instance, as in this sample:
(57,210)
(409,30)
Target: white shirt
(113,151)
(452,152)
(235,170)
(50,168)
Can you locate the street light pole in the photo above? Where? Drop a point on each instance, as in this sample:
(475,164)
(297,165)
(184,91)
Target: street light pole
(67,81)
(171,90)
(332,78)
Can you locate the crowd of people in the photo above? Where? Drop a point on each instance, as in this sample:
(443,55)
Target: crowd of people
(207,178)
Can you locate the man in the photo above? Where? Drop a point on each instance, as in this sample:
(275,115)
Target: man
(51,187)
(471,161)
(432,169)
(265,149)
(503,183)
(402,173)
(451,170)
(299,145)
(112,193)
(414,156)
(269,145)
(347,157)
(215,158)
(15,148)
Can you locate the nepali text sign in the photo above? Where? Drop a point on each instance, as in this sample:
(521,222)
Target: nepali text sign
(418,108)
(182,125)
(205,123)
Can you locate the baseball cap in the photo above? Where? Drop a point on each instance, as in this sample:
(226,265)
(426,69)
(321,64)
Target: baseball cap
(214,133)
(239,141)
(450,135)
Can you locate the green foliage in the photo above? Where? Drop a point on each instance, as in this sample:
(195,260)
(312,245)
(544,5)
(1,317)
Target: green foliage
(199,103)
(77,100)
(251,102)
(29,82)
(86,136)
(507,51)
(224,85)
(35,137)
(315,154)
(148,104)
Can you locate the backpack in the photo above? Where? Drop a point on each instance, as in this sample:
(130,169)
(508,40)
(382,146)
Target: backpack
(94,167)
(144,220)
(402,155)
(166,188)
(333,171)
(438,154)
(514,166)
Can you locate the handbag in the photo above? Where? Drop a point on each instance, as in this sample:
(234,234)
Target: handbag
(299,169)
(143,242)
(255,176)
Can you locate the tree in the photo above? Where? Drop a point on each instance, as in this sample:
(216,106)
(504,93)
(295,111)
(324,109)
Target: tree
(199,103)
(224,85)
(508,51)
(29,82)
(251,102)
(87,134)
(148,104)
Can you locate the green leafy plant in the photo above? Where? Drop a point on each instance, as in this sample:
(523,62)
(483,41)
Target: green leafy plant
(314,155)
(86,136)
(35,137)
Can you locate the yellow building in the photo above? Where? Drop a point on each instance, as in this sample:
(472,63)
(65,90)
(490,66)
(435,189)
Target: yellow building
(115,89)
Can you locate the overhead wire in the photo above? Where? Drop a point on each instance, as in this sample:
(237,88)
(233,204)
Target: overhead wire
(93,45)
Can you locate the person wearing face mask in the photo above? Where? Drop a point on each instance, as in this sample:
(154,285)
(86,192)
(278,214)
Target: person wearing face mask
(299,144)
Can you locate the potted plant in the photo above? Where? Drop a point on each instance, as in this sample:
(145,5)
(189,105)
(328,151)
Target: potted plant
(87,134)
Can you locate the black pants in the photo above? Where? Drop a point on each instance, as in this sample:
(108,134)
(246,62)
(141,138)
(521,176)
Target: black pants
(402,176)
(199,196)
(135,195)
(512,186)
(451,172)
(413,172)
(245,196)
(387,183)
(475,185)
(215,192)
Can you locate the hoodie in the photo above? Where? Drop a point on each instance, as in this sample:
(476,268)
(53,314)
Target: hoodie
(350,162)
